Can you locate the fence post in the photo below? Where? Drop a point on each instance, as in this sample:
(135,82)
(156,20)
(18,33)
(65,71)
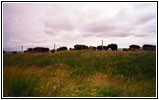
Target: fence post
(54,47)
(102,45)
(22,48)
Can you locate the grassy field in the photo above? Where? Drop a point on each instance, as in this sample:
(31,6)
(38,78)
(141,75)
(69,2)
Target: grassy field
(80,74)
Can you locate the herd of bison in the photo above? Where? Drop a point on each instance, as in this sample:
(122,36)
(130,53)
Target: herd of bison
(113,47)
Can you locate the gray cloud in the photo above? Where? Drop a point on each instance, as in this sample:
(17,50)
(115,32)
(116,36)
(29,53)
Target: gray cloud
(125,22)
(43,24)
(58,25)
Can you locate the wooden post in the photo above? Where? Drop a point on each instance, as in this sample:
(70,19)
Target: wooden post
(22,48)
(102,45)
(54,47)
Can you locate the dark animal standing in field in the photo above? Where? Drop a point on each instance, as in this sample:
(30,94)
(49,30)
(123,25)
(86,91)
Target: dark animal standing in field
(53,51)
(100,47)
(92,48)
(4,52)
(71,49)
(62,48)
(134,47)
(29,50)
(80,47)
(14,52)
(38,49)
(149,47)
(113,47)
(125,49)
(25,51)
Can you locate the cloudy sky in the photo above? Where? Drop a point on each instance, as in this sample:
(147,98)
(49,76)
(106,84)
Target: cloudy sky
(67,24)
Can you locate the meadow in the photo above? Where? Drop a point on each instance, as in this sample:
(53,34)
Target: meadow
(82,73)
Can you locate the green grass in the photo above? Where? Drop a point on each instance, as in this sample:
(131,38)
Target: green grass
(107,92)
(16,84)
(80,73)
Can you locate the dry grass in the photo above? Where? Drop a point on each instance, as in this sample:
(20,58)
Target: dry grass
(80,74)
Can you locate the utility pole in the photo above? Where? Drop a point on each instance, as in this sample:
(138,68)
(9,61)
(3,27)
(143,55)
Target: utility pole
(22,48)
(102,45)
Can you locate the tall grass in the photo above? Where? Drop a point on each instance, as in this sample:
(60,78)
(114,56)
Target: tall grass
(80,73)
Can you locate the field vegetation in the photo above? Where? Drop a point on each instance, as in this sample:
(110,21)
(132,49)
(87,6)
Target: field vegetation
(82,73)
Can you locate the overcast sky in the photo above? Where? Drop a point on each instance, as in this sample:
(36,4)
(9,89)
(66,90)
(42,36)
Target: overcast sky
(67,24)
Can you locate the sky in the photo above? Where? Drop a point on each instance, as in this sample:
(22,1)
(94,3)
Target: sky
(70,23)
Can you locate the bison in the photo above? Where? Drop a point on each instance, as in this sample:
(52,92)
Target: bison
(14,52)
(71,49)
(30,50)
(53,51)
(100,47)
(149,47)
(134,47)
(80,47)
(62,48)
(38,49)
(125,49)
(113,47)
(92,48)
